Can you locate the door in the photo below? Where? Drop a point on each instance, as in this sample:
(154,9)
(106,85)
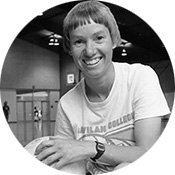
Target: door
(27,128)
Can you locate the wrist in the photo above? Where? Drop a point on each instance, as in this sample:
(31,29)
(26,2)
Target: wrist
(88,149)
(100,149)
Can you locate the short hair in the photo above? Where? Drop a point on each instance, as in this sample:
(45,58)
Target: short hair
(82,13)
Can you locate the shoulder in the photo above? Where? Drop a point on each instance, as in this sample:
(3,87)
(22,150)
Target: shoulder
(135,69)
(135,73)
(142,72)
(132,68)
(143,77)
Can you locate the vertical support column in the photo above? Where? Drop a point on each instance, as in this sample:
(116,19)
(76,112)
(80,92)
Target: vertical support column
(33,99)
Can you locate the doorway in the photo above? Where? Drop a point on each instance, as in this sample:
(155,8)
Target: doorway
(27,128)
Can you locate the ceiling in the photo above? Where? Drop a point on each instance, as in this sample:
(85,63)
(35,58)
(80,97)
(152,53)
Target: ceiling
(146,46)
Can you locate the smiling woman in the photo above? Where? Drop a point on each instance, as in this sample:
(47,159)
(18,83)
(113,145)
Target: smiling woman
(110,118)
(91,48)
(113,114)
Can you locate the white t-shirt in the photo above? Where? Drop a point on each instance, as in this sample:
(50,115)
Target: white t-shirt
(136,94)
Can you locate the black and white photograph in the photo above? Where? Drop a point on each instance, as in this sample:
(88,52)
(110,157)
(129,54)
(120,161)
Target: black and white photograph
(87,87)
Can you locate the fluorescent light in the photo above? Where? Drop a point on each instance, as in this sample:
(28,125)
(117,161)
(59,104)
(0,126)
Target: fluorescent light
(54,40)
(124,53)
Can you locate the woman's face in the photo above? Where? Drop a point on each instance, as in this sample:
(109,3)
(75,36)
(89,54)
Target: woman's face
(92,49)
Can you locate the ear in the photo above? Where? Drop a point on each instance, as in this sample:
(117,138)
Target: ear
(116,42)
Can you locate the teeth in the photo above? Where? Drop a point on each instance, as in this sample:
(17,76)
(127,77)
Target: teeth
(92,62)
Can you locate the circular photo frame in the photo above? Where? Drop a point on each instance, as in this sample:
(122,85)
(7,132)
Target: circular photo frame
(37,73)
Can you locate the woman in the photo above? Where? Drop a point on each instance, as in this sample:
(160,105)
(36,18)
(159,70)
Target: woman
(113,115)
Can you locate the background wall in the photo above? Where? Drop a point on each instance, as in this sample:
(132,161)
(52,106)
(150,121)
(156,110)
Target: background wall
(27,65)
(67,66)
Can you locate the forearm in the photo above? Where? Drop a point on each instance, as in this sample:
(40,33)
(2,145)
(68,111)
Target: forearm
(146,133)
(115,155)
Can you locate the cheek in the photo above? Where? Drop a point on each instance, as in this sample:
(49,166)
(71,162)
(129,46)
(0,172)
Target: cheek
(107,46)
(76,53)
(107,50)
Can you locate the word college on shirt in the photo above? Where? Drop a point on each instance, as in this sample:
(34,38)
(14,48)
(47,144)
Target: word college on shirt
(112,124)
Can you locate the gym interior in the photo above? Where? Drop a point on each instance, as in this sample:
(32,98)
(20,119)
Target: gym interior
(37,71)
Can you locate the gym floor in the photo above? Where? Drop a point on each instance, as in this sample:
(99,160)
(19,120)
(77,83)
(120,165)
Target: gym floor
(30,130)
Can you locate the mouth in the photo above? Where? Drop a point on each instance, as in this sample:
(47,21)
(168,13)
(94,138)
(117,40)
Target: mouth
(92,62)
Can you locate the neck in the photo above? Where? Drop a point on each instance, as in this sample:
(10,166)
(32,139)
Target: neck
(98,89)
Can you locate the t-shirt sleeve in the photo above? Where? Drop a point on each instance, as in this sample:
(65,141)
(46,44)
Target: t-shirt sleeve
(63,127)
(149,100)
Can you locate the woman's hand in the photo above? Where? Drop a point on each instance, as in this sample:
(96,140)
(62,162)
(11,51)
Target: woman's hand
(63,151)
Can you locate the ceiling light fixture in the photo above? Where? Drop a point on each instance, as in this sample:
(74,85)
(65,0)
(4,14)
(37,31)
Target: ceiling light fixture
(54,40)
(124,53)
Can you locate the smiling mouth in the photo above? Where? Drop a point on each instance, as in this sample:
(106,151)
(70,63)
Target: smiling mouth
(92,62)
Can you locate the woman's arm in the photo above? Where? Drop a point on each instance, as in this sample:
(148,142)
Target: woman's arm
(146,132)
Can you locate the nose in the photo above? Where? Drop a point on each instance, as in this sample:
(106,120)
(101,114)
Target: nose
(89,49)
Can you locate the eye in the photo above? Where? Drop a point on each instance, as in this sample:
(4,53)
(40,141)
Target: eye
(99,38)
(78,42)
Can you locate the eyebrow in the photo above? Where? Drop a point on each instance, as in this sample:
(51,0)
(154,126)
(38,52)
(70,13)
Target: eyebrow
(99,32)
(94,34)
